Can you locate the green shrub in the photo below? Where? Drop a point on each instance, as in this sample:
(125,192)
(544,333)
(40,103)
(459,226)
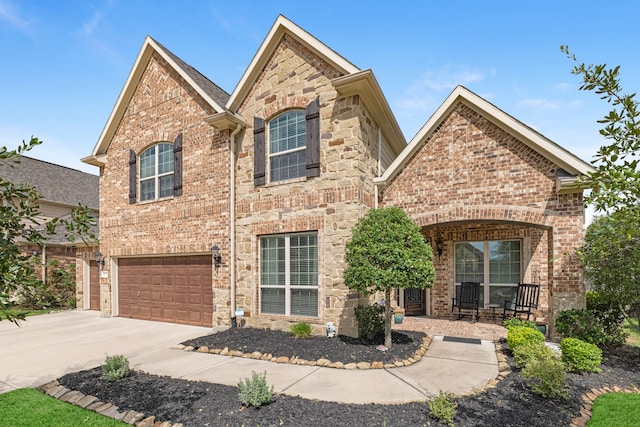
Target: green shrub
(115,368)
(254,391)
(548,377)
(301,330)
(602,325)
(443,407)
(58,291)
(370,321)
(580,356)
(514,321)
(518,335)
(535,350)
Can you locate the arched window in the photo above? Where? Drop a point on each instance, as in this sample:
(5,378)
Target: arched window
(287,146)
(156,172)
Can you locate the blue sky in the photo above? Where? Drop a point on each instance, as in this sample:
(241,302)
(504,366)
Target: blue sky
(63,63)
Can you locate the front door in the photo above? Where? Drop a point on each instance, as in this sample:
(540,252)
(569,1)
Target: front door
(414,302)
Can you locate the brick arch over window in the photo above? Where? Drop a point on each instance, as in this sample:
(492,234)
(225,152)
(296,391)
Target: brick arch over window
(276,105)
(513,214)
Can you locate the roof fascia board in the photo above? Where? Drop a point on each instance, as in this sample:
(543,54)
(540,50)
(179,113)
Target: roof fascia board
(138,69)
(225,120)
(365,85)
(95,160)
(549,149)
(282,26)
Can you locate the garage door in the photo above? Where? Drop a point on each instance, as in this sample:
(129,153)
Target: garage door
(167,289)
(94,286)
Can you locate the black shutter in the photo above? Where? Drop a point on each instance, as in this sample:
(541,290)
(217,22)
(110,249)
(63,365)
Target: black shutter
(132,176)
(258,151)
(313,138)
(177,165)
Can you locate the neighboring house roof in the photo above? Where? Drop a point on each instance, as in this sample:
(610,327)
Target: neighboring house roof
(571,164)
(57,184)
(60,237)
(210,92)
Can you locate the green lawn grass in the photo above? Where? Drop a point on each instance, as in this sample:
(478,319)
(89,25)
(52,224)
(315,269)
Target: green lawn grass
(616,410)
(634,335)
(27,407)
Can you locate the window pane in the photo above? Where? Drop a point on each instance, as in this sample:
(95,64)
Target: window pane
(272,261)
(165,158)
(148,189)
(288,166)
(148,163)
(304,302)
(166,186)
(469,259)
(304,260)
(500,294)
(287,132)
(272,301)
(504,261)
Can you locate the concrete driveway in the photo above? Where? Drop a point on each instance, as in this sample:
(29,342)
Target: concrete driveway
(46,347)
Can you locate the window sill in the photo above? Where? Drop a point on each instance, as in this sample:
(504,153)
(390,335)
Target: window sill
(146,202)
(286,181)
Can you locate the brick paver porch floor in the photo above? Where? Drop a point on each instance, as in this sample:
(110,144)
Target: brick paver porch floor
(455,328)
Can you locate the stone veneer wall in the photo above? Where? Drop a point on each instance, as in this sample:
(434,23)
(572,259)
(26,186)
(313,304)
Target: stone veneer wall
(472,172)
(330,204)
(162,106)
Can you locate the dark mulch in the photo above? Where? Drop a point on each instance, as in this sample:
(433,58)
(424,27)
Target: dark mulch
(193,403)
(338,349)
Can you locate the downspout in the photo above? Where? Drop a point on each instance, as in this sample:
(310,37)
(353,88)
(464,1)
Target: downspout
(232,222)
(375,185)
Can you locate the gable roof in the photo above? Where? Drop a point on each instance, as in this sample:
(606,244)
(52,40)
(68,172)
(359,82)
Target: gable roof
(280,27)
(57,184)
(567,161)
(210,92)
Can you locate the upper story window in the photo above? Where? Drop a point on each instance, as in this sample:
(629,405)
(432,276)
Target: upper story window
(287,146)
(156,172)
(293,148)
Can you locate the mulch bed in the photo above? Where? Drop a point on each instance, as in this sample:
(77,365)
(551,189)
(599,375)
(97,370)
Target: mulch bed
(195,403)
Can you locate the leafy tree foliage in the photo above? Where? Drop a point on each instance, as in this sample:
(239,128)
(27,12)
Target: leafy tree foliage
(611,256)
(19,223)
(616,180)
(386,252)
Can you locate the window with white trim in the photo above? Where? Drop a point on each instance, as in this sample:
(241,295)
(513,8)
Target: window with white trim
(289,274)
(156,172)
(287,146)
(496,263)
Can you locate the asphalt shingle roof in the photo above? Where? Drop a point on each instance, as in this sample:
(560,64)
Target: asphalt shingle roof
(57,184)
(212,89)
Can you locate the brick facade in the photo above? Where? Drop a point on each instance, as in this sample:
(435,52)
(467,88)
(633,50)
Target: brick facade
(473,181)
(162,106)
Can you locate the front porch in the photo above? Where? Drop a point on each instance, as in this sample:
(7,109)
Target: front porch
(455,328)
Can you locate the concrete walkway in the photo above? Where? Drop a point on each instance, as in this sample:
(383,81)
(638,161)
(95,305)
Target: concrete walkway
(46,347)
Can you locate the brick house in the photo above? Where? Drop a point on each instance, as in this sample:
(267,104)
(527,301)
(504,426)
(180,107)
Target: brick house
(276,174)
(62,189)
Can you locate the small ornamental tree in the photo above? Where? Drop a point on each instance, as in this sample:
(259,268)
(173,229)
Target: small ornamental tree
(387,251)
(611,256)
(20,217)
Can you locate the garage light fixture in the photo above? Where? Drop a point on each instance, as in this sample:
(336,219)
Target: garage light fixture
(100,259)
(215,255)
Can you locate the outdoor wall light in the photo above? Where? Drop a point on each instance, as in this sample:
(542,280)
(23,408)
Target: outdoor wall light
(34,253)
(100,260)
(215,255)
(439,247)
